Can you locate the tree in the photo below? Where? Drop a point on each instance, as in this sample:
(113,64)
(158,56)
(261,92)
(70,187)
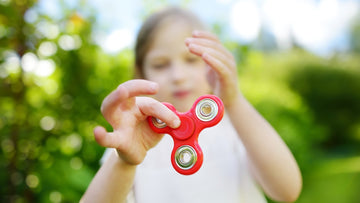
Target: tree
(52,79)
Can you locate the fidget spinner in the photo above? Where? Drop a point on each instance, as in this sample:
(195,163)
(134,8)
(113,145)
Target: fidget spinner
(187,156)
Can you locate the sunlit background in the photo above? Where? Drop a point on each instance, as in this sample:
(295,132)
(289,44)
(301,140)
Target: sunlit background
(320,26)
(298,62)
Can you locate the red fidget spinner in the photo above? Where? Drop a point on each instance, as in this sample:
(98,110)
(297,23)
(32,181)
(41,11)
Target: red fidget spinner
(187,156)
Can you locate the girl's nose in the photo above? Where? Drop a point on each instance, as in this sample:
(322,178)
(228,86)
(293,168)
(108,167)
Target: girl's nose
(178,73)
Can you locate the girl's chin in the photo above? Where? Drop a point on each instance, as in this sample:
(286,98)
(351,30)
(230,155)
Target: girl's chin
(184,105)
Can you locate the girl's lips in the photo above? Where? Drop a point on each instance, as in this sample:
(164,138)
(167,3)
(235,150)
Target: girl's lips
(181,94)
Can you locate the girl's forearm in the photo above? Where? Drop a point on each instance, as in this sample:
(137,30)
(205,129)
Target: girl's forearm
(112,182)
(272,162)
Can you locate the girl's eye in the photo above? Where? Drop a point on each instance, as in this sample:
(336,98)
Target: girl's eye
(192,59)
(161,65)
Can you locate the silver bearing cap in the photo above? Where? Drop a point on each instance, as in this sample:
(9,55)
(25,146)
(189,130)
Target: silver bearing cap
(158,123)
(185,157)
(206,109)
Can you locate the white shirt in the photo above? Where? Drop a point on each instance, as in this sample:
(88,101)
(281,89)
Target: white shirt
(223,177)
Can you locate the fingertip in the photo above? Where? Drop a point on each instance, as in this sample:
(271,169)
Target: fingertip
(196,33)
(176,123)
(98,129)
(99,134)
(154,87)
(188,41)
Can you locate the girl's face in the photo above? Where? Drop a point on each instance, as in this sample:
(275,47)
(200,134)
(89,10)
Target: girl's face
(180,74)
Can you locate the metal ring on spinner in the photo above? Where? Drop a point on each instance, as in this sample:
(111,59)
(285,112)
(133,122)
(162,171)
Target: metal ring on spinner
(206,109)
(181,159)
(158,123)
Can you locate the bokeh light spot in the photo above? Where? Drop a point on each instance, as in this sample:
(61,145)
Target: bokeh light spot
(32,181)
(47,123)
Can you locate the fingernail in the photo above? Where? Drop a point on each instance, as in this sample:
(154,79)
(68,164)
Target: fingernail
(176,123)
(194,46)
(195,33)
(154,86)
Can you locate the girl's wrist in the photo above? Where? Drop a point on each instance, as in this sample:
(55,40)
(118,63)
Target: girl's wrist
(234,101)
(239,101)
(121,162)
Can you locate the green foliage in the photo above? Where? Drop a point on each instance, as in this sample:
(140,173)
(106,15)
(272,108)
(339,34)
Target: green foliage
(313,104)
(46,121)
(332,91)
(355,36)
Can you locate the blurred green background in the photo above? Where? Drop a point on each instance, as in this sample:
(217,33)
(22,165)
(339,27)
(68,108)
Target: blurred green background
(53,78)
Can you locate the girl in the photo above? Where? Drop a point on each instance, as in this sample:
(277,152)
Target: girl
(179,62)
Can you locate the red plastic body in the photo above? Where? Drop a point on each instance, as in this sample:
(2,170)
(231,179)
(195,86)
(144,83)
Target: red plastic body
(189,130)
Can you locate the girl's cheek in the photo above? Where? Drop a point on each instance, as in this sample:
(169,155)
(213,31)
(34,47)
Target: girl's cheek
(161,79)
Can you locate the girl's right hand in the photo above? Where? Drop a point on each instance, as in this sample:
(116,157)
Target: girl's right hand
(127,112)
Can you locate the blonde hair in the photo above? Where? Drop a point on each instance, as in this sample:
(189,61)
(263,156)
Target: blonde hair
(148,31)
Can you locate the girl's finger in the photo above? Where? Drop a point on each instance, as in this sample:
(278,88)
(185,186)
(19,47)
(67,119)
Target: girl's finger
(111,139)
(127,90)
(221,63)
(210,44)
(217,65)
(225,77)
(105,138)
(140,87)
(152,107)
(205,34)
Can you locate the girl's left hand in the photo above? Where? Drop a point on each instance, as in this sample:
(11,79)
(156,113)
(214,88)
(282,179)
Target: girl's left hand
(222,73)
